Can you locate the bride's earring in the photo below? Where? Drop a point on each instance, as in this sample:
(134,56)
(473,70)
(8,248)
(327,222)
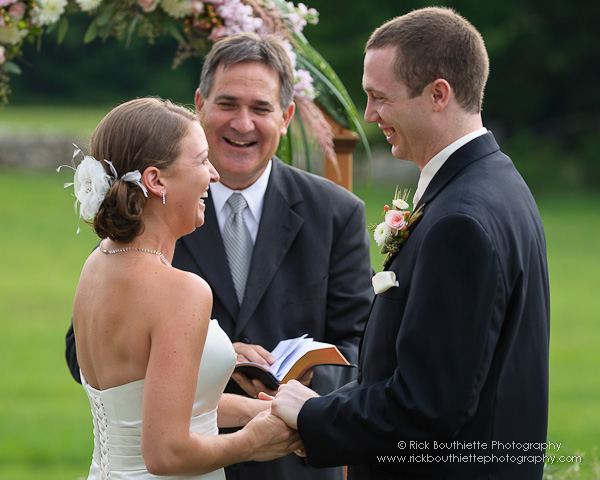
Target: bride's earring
(163,195)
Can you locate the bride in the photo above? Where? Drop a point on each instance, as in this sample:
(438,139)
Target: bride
(152,363)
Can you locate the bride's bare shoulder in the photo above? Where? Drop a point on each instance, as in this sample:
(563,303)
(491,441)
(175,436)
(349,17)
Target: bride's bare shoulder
(184,292)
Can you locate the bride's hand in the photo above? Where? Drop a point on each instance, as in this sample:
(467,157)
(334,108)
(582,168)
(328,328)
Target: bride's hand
(271,438)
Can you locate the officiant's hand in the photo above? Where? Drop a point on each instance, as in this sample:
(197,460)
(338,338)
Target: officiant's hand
(253,353)
(257,354)
(253,386)
(289,401)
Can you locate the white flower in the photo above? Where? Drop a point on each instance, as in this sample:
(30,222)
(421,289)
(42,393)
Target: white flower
(48,12)
(2,57)
(381,233)
(88,5)
(383,281)
(177,8)
(400,204)
(91,184)
(11,35)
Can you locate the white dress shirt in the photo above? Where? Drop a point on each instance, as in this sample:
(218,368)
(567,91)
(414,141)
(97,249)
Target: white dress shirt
(434,165)
(254,195)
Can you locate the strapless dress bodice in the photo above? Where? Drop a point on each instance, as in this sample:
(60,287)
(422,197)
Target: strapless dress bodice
(117,414)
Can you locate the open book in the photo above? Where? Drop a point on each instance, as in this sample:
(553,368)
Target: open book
(294,358)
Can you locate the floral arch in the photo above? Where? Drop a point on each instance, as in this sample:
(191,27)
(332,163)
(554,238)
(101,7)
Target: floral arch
(326,116)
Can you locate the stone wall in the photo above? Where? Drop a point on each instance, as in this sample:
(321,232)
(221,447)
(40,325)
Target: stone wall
(38,151)
(48,150)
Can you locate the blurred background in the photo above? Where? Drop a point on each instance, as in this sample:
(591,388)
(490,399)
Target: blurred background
(542,99)
(542,102)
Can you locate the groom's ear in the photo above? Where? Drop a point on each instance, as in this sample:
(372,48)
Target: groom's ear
(153,181)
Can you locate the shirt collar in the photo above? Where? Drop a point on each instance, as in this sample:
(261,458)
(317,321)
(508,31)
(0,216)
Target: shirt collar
(438,160)
(254,194)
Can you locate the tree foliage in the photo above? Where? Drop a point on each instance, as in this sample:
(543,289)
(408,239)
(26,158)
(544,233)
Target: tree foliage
(543,82)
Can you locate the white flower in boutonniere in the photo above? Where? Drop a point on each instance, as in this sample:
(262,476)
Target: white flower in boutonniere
(383,281)
(392,233)
(381,233)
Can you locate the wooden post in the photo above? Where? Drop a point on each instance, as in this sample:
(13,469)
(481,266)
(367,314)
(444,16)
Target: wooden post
(344,141)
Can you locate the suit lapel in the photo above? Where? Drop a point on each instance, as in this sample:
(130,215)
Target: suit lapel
(464,156)
(206,247)
(279,226)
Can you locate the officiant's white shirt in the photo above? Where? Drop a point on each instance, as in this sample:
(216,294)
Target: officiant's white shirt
(434,165)
(254,195)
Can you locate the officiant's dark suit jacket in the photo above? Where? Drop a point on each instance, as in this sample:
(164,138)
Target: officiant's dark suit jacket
(310,273)
(458,352)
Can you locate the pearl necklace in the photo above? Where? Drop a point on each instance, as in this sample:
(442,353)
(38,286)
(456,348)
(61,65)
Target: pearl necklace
(138,249)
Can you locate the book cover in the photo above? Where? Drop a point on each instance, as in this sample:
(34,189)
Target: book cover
(294,358)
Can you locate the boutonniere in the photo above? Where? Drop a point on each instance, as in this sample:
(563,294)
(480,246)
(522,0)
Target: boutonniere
(392,233)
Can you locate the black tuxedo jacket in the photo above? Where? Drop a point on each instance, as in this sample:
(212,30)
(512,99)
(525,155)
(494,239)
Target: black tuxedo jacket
(453,373)
(310,273)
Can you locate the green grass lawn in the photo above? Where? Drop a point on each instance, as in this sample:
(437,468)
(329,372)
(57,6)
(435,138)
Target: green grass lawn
(45,422)
(77,120)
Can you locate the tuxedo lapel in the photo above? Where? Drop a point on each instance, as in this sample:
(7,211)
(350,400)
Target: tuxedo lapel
(278,228)
(474,150)
(206,248)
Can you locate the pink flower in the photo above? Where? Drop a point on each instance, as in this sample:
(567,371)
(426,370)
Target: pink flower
(2,57)
(17,10)
(148,5)
(396,220)
(4,3)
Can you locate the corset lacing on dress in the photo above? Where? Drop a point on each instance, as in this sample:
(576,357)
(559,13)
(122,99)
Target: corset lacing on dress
(101,433)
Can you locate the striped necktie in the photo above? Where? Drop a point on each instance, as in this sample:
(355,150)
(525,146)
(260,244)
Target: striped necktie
(238,243)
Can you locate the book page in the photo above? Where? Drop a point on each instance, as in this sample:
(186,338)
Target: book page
(283,351)
(303,345)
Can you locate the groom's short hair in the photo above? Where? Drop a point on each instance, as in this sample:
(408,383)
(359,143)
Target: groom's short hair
(436,42)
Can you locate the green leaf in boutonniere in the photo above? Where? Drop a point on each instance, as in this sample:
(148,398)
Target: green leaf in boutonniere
(393,232)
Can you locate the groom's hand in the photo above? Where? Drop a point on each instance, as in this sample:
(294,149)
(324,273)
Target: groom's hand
(289,401)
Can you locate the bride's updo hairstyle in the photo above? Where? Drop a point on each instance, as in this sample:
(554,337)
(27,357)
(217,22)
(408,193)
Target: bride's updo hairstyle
(135,135)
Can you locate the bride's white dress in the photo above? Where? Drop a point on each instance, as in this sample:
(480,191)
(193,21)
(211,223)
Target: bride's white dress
(117,414)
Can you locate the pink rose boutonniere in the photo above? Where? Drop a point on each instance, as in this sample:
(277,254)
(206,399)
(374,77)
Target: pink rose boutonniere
(392,233)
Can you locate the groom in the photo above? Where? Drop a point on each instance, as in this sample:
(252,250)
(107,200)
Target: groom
(453,368)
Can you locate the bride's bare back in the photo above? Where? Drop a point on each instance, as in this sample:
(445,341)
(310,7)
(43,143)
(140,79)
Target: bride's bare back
(123,299)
